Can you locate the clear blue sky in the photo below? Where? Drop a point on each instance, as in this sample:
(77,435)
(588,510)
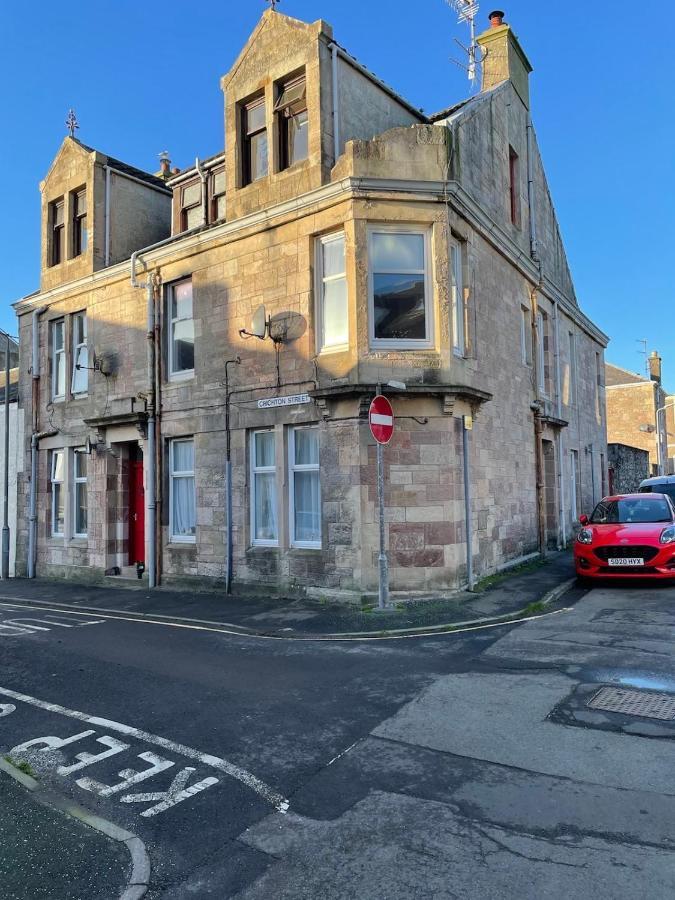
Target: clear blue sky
(143,77)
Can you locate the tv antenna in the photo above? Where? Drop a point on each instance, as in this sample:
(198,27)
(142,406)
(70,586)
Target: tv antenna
(643,352)
(467,11)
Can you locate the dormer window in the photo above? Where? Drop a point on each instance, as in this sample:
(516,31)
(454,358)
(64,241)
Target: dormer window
(56,221)
(79,222)
(291,110)
(191,206)
(254,134)
(218,208)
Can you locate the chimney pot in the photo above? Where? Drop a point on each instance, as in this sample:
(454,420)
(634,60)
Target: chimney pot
(496,18)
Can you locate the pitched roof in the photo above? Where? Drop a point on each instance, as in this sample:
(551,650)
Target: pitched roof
(154,180)
(616,375)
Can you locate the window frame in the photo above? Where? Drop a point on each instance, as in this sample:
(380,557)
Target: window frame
(262,470)
(247,134)
(458,300)
(514,187)
(62,491)
(541,352)
(294,467)
(402,344)
(525,336)
(216,195)
(320,281)
(57,232)
(185,474)
(284,117)
(179,374)
(79,480)
(79,223)
(76,348)
(54,358)
(186,207)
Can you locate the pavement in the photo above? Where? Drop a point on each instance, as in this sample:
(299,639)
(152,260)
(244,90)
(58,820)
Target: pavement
(507,596)
(42,847)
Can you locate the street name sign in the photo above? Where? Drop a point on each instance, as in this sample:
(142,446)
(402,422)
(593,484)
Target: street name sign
(291,400)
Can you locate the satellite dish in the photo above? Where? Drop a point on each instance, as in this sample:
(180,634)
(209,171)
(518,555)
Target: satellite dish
(259,323)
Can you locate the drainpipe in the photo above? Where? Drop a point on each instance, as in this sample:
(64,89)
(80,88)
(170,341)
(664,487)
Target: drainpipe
(335,112)
(151,504)
(467,425)
(531,206)
(228,475)
(538,449)
(205,199)
(562,528)
(32,500)
(106,216)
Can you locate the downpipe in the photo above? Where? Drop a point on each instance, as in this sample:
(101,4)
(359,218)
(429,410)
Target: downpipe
(151,503)
(35,437)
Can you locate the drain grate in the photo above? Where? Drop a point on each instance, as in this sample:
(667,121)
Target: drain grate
(648,704)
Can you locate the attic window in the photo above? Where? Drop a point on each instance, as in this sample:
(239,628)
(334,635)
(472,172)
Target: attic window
(292,118)
(56,222)
(218,195)
(79,222)
(191,202)
(254,134)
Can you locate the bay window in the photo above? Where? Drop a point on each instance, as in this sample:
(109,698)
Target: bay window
(305,491)
(399,288)
(57,479)
(332,308)
(264,520)
(182,504)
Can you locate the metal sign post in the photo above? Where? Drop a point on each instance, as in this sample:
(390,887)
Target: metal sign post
(381,421)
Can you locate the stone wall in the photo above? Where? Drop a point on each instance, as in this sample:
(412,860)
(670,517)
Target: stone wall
(628,467)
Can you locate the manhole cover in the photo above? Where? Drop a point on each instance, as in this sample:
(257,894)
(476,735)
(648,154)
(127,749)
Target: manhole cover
(634,703)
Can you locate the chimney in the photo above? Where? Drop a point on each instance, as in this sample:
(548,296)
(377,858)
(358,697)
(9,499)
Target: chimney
(655,367)
(503,58)
(164,165)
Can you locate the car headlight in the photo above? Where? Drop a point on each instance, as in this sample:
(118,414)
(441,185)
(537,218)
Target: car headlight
(585,536)
(668,535)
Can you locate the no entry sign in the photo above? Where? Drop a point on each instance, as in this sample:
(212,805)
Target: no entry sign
(381,419)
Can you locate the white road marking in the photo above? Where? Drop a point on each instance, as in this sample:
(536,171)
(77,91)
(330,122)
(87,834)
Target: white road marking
(26,625)
(176,792)
(274,798)
(130,776)
(379,419)
(6,709)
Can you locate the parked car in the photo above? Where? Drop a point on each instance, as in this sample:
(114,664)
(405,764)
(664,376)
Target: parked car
(627,536)
(660,484)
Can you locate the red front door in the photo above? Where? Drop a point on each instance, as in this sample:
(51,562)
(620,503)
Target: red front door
(136,513)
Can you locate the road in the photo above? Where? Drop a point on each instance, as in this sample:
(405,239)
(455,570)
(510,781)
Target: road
(463,766)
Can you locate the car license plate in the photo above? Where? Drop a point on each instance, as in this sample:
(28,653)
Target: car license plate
(628,561)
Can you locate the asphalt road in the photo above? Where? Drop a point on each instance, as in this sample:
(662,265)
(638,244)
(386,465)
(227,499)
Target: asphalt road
(467,766)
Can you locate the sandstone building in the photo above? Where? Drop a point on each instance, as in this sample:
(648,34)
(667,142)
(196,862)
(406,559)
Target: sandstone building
(385,245)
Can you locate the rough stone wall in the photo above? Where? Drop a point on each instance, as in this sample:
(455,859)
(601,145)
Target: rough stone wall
(16,464)
(139,216)
(628,467)
(630,407)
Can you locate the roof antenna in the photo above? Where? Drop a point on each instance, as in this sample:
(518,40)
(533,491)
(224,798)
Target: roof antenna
(467,10)
(643,352)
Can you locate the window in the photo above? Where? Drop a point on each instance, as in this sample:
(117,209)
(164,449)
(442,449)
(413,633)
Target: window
(574,484)
(399,288)
(56,221)
(514,187)
(291,110)
(525,336)
(57,477)
(459,323)
(80,354)
(598,387)
(191,206)
(181,331)
(218,207)
(58,359)
(79,493)
(573,367)
(332,308)
(79,222)
(541,350)
(182,490)
(264,521)
(305,491)
(254,133)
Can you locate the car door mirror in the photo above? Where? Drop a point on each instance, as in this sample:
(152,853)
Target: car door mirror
(583,520)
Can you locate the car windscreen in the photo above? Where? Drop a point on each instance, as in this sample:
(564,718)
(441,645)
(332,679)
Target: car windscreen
(634,510)
(668,489)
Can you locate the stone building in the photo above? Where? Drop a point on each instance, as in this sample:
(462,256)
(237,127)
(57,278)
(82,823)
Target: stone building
(639,413)
(626,468)
(342,240)
(16,448)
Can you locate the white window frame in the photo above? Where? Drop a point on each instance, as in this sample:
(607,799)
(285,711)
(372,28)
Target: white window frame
(320,281)
(541,352)
(457,287)
(387,343)
(180,374)
(180,473)
(56,395)
(77,350)
(262,470)
(525,336)
(294,467)
(62,484)
(77,480)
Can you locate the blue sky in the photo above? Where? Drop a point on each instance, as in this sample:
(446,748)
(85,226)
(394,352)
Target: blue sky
(144,77)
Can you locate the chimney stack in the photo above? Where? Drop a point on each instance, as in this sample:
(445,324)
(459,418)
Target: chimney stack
(504,58)
(655,366)
(164,165)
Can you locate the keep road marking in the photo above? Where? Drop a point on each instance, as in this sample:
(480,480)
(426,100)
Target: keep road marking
(177,791)
(20,625)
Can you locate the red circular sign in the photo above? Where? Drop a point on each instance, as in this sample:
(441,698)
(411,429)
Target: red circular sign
(381,419)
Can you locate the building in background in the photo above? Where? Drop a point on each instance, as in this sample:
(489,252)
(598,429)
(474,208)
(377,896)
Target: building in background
(627,467)
(341,240)
(639,411)
(16,448)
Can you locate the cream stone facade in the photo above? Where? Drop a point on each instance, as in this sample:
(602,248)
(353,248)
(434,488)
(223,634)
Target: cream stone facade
(385,246)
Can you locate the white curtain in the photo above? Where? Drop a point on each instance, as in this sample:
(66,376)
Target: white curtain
(307,507)
(184,513)
(265,507)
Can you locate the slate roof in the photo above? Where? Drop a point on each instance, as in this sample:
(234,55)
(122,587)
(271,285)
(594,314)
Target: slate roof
(126,168)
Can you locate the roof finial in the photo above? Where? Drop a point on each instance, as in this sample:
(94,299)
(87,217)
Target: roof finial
(71,122)
(273,3)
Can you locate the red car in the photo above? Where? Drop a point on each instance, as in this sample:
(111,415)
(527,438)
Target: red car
(628,536)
